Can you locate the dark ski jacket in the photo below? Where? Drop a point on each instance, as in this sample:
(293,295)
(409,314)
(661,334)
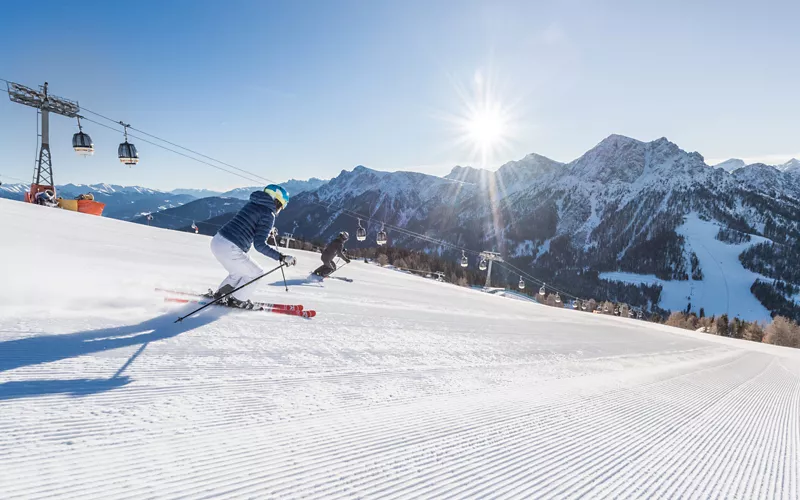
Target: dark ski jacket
(251,226)
(334,248)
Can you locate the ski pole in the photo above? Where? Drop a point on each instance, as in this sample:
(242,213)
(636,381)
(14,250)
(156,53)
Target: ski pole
(229,293)
(337,268)
(284,279)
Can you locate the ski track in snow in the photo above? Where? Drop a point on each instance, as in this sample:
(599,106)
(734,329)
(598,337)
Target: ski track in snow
(400,388)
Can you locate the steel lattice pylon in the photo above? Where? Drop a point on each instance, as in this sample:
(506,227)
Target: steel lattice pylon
(490,257)
(45,103)
(44,167)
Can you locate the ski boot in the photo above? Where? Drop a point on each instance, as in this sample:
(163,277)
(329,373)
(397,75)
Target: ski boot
(240,304)
(219,293)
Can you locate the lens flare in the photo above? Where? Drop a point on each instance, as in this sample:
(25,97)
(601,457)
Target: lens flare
(484,123)
(487,122)
(486,129)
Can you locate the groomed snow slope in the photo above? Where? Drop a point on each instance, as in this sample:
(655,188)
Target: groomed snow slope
(400,388)
(725,287)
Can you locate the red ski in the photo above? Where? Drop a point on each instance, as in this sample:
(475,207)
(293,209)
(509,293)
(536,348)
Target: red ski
(199,296)
(259,306)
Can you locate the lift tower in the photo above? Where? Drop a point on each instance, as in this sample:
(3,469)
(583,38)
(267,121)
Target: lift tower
(490,257)
(45,104)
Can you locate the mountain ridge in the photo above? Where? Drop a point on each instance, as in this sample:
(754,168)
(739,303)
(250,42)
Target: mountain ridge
(616,208)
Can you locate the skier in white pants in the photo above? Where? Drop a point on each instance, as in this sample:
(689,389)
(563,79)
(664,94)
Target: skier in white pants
(249,227)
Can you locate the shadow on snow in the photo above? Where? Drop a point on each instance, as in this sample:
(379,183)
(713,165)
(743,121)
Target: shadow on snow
(295,282)
(40,349)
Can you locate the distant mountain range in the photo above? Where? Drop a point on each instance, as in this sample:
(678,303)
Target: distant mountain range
(293,187)
(640,222)
(193,211)
(122,202)
(196,193)
(792,166)
(131,202)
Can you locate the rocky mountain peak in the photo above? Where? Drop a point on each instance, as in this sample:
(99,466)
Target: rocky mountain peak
(792,166)
(467,174)
(731,165)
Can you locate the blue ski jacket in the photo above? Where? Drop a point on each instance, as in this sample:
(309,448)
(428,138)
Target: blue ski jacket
(251,226)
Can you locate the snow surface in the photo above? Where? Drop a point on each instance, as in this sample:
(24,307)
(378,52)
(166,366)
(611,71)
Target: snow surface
(725,287)
(401,387)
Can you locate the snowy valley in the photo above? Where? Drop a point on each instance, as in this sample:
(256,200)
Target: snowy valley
(401,387)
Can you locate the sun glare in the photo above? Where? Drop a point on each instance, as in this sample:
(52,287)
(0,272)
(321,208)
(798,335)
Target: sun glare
(486,128)
(484,122)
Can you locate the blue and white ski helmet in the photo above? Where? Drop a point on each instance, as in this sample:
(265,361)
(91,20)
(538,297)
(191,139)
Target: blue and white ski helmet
(278,193)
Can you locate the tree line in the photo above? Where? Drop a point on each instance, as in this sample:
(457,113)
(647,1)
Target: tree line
(780,331)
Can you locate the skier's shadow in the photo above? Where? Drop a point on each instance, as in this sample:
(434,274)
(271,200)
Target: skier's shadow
(36,350)
(295,282)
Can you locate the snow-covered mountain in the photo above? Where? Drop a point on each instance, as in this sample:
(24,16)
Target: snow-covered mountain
(620,207)
(122,202)
(769,179)
(731,165)
(68,190)
(792,166)
(193,211)
(131,202)
(293,186)
(197,193)
(13,191)
(734,164)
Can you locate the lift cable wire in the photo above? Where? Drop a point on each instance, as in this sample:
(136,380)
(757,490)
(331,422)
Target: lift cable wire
(537,281)
(252,174)
(172,150)
(14,178)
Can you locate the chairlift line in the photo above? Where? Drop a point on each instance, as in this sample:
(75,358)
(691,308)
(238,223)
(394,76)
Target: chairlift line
(249,179)
(521,284)
(127,152)
(381,238)
(81,142)
(361,233)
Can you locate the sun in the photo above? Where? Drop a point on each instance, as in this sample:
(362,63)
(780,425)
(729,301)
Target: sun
(484,123)
(486,128)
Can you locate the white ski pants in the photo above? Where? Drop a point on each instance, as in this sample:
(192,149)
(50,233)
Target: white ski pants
(241,268)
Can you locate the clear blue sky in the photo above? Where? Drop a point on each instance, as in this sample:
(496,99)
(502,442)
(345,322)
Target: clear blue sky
(300,89)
